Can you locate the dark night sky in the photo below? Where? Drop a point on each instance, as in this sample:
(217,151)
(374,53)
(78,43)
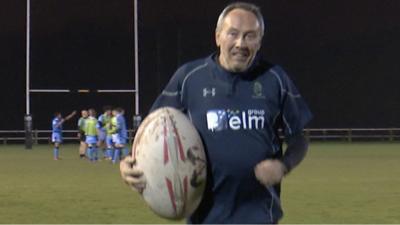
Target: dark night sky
(342,55)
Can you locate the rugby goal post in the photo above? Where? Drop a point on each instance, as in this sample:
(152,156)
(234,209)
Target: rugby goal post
(28,120)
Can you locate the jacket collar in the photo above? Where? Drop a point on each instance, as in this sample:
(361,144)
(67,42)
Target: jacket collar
(248,74)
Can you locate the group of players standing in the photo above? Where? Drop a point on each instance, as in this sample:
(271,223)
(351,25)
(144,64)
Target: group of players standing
(107,133)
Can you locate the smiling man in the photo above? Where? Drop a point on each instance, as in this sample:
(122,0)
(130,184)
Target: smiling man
(238,36)
(237,102)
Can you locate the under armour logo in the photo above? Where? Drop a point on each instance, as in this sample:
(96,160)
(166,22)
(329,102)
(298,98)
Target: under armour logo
(208,91)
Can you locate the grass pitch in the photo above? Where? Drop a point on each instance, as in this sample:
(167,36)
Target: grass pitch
(336,183)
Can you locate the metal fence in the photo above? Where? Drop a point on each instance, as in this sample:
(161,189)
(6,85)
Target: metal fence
(328,134)
(354,134)
(41,136)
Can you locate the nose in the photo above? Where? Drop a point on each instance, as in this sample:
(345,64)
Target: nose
(240,42)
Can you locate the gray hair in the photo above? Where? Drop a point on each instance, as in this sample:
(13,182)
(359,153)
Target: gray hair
(245,6)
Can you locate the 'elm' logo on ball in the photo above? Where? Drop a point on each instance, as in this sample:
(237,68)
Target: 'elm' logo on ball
(221,119)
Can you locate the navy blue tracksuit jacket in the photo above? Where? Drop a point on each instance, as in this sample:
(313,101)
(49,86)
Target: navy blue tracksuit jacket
(237,116)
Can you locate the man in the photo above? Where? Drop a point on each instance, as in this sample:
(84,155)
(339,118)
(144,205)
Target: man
(56,135)
(81,134)
(109,140)
(104,120)
(119,133)
(91,135)
(237,102)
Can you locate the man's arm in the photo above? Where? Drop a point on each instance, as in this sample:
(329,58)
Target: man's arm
(295,152)
(271,171)
(72,114)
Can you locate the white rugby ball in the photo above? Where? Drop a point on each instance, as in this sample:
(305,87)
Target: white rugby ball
(169,151)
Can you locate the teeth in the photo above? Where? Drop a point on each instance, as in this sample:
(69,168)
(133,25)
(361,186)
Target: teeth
(240,54)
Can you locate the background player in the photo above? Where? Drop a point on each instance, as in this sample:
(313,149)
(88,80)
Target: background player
(81,133)
(56,135)
(91,135)
(109,141)
(119,133)
(104,120)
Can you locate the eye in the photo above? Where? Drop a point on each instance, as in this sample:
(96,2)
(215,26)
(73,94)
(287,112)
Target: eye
(251,36)
(232,33)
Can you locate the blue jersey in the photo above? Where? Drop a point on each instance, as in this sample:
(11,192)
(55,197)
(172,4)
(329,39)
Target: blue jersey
(121,126)
(238,116)
(56,125)
(102,121)
(99,124)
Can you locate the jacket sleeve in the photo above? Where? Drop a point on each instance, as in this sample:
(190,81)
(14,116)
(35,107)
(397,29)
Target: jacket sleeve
(295,112)
(297,147)
(295,115)
(172,94)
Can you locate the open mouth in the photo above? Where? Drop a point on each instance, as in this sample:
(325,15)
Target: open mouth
(240,55)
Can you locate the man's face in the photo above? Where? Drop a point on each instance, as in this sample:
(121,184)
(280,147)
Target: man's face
(238,39)
(84,113)
(92,113)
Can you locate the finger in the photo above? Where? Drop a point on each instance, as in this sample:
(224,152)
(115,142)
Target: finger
(126,164)
(258,170)
(133,172)
(128,171)
(130,159)
(136,184)
(269,175)
(138,189)
(258,174)
(132,154)
(135,181)
(261,175)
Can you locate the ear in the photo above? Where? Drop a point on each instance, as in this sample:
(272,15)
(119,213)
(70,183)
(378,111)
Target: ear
(259,44)
(217,37)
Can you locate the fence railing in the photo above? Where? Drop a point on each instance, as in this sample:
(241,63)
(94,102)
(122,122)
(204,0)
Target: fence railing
(313,134)
(41,136)
(354,134)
